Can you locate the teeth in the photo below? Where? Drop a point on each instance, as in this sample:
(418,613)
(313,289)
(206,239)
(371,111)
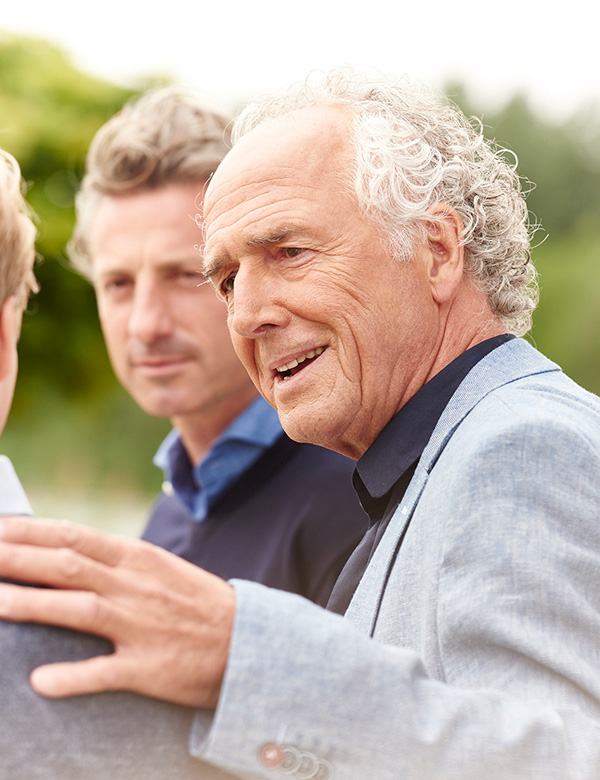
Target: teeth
(296,361)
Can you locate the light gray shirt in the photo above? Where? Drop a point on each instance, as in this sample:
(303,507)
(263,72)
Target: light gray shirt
(13,500)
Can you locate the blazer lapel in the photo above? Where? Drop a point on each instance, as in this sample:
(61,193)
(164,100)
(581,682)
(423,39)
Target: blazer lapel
(511,361)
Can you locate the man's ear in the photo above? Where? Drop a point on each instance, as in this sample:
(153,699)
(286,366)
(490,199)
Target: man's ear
(446,254)
(9,335)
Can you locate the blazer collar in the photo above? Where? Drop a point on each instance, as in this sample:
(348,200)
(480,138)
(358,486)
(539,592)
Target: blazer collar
(512,360)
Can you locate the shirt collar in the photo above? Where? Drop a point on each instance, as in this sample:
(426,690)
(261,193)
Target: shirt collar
(258,424)
(401,443)
(238,447)
(13,500)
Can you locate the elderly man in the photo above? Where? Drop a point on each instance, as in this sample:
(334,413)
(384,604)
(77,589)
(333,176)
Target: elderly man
(107,737)
(373,254)
(243,499)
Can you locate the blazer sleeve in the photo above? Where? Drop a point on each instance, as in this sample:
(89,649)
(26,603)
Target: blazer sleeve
(518,694)
(314,690)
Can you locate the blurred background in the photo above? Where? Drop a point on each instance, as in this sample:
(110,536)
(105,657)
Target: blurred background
(81,446)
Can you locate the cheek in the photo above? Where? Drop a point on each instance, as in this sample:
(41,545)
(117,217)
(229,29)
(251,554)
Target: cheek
(113,318)
(115,339)
(244,349)
(114,330)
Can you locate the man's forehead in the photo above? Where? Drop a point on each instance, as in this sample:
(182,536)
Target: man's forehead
(312,136)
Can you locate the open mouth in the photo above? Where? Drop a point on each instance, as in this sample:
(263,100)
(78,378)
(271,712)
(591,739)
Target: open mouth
(297,364)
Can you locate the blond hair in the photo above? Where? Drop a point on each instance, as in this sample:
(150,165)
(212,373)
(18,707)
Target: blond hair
(17,235)
(163,137)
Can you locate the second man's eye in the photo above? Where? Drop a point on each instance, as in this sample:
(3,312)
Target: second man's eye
(118,283)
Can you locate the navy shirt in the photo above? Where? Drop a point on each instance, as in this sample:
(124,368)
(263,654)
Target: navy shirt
(386,468)
(200,486)
(289,521)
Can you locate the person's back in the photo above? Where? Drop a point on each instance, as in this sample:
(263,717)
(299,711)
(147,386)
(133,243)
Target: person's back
(108,736)
(116,736)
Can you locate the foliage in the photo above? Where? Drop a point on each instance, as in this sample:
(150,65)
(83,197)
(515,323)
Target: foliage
(49,112)
(562,160)
(72,423)
(567,321)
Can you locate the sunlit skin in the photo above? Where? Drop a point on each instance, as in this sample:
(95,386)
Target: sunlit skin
(302,270)
(303,275)
(11,316)
(165,331)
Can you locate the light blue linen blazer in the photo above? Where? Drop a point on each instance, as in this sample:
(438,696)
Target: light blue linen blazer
(471,651)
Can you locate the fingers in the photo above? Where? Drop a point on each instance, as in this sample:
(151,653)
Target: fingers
(78,610)
(177,653)
(122,671)
(61,533)
(93,675)
(60,568)
(169,621)
(78,545)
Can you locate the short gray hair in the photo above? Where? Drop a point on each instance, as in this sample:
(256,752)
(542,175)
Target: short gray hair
(17,235)
(415,149)
(164,137)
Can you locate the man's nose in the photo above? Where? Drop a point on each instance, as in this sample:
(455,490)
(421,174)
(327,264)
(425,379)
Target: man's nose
(151,316)
(257,305)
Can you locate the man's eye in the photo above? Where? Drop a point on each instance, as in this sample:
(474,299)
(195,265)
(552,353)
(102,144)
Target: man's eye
(292,251)
(227,284)
(116,284)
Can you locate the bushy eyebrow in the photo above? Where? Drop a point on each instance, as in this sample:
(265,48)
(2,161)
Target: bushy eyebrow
(213,265)
(274,237)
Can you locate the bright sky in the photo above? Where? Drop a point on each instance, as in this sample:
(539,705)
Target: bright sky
(233,50)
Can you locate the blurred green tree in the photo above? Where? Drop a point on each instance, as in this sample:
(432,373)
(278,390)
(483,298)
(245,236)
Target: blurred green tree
(69,415)
(73,425)
(49,112)
(562,160)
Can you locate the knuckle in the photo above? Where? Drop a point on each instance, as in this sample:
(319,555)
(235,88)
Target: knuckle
(143,556)
(70,563)
(7,599)
(91,609)
(70,534)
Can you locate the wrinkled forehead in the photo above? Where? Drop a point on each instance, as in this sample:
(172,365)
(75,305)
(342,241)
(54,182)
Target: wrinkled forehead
(312,141)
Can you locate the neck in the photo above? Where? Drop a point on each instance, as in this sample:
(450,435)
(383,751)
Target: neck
(468,321)
(201,429)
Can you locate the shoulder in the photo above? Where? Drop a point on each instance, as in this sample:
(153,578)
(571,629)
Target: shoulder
(549,408)
(523,464)
(322,463)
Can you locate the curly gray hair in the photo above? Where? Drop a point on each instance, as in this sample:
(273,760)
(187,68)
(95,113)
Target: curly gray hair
(17,235)
(163,137)
(415,149)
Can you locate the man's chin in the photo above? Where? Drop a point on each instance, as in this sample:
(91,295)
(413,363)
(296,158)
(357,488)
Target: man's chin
(306,428)
(158,406)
